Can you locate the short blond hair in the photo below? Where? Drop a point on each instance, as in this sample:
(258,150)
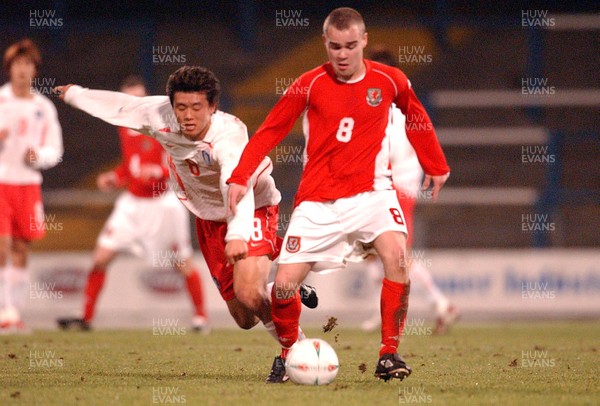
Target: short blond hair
(343,18)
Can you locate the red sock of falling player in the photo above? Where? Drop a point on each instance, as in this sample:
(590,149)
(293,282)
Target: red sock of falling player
(394,305)
(194,286)
(286,317)
(95,281)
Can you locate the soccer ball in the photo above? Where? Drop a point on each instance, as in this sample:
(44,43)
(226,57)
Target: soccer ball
(312,362)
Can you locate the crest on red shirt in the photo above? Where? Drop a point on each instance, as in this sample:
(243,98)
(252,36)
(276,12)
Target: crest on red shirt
(293,244)
(374,96)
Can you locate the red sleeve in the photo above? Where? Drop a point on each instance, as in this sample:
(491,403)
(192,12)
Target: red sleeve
(419,129)
(275,128)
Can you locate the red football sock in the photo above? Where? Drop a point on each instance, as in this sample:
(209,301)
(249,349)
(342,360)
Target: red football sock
(95,281)
(286,317)
(194,287)
(394,306)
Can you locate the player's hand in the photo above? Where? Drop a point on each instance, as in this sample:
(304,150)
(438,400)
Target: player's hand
(150,171)
(234,195)
(438,183)
(107,181)
(236,250)
(31,157)
(62,90)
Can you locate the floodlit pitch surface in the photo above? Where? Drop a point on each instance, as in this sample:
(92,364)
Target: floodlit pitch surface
(504,364)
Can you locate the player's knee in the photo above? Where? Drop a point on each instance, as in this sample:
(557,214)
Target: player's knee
(252,299)
(395,259)
(283,287)
(3,255)
(245,321)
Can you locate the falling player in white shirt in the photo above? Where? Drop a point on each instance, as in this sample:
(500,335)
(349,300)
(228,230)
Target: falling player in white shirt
(406,177)
(30,141)
(204,145)
(144,172)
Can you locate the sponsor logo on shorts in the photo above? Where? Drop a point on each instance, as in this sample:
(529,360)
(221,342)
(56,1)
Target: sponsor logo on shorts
(374,96)
(293,244)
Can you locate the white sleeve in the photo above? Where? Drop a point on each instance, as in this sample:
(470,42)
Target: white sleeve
(120,109)
(51,151)
(227,153)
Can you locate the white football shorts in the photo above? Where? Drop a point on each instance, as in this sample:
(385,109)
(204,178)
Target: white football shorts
(331,233)
(150,228)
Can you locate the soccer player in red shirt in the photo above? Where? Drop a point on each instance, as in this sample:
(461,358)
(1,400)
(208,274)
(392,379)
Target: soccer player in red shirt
(345,197)
(148,220)
(30,141)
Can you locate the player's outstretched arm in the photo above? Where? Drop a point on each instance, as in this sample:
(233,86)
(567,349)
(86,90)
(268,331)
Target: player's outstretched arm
(118,108)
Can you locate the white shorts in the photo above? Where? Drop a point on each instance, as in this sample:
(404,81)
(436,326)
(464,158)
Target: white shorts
(330,233)
(150,228)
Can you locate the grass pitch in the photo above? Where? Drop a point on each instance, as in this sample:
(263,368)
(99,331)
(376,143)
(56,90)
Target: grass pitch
(504,364)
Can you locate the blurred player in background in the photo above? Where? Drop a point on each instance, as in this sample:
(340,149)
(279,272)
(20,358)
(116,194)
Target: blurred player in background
(406,177)
(345,195)
(148,220)
(204,145)
(30,141)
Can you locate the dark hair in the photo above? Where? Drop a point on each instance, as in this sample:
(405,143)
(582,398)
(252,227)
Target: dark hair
(190,79)
(343,18)
(132,81)
(383,55)
(24,47)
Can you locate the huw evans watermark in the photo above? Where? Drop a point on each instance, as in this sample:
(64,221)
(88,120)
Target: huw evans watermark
(413,395)
(537,87)
(167,327)
(537,19)
(413,55)
(167,55)
(291,19)
(537,291)
(45,19)
(537,154)
(536,359)
(167,395)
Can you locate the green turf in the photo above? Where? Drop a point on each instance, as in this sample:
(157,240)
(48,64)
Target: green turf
(512,364)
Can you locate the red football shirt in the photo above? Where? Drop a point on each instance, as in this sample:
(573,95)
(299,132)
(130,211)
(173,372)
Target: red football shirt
(138,150)
(344,127)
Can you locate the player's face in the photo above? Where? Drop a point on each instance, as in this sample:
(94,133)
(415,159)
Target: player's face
(193,114)
(345,50)
(22,71)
